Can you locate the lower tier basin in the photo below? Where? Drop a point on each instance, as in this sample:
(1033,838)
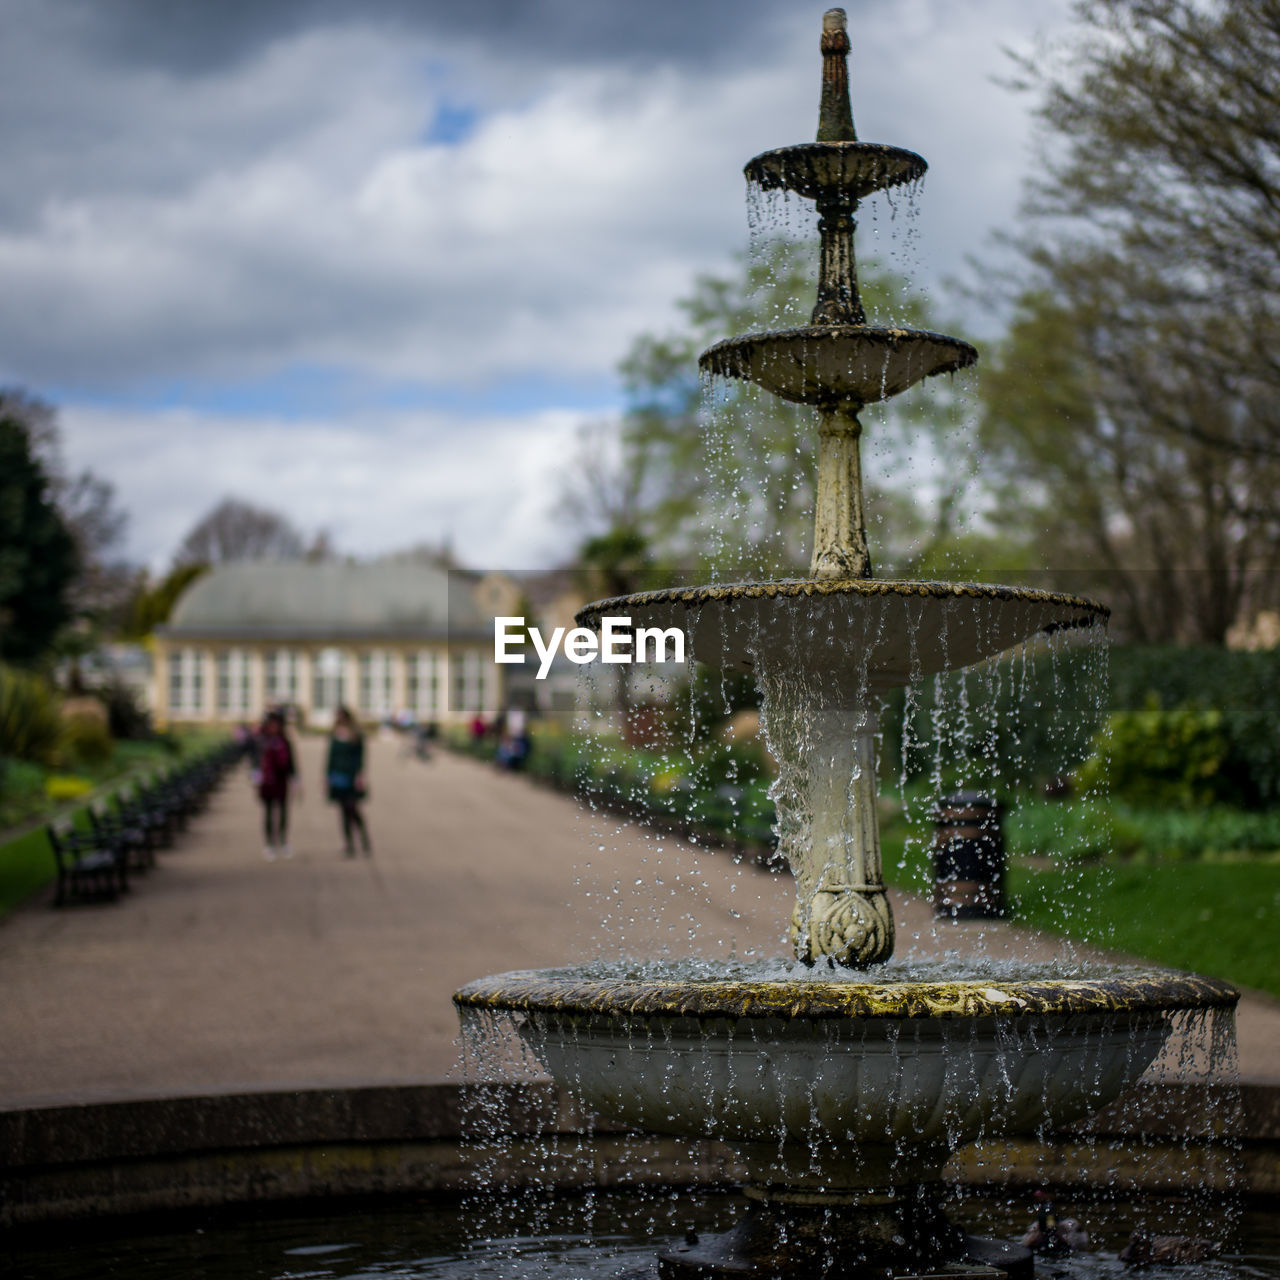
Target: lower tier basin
(842,1083)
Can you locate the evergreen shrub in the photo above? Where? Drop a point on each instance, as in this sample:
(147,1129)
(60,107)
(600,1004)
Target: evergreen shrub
(1157,757)
(1015,726)
(31,727)
(87,740)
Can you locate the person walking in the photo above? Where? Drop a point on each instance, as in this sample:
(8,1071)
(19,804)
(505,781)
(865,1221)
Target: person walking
(344,773)
(275,773)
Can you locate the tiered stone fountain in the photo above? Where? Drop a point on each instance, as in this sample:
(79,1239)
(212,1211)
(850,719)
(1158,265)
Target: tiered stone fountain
(843,1082)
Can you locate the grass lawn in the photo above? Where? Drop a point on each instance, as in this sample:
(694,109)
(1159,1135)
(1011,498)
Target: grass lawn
(26,864)
(25,799)
(1218,916)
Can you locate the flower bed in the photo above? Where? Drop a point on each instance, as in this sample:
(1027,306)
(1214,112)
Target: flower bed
(713,794)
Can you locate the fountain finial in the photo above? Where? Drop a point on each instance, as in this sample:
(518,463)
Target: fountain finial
(835,116)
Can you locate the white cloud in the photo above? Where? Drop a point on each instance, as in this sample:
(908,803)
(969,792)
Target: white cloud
(543,242)
(279,209)
(376,483)
(318,228)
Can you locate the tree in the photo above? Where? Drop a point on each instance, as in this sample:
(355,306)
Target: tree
(733,487)
(1163,155)
(87,504)
(1136,404)
(238,530)
(440,554)
(617,562)
(151,605)
(605,487)
(38,560)
(1122,504)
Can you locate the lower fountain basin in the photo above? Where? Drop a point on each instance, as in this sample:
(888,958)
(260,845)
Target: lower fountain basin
(896,631)
(836,1085)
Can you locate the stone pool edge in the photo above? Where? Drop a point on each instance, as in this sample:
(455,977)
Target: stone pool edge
(97,1160)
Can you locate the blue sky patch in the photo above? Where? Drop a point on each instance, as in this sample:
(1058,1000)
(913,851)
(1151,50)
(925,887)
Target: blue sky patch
(452,124)
(307,392)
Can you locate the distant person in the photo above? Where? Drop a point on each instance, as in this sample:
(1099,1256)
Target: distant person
(274,772)
(344,773)
(478,728)
(513,750)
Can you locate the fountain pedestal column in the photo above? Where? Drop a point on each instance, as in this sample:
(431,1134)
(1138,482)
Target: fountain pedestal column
(840,547)
(842,911)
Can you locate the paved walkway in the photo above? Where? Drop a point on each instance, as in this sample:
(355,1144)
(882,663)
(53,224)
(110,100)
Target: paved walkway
(224,972)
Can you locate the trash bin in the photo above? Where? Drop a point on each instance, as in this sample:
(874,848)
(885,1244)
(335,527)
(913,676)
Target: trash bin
(968,857)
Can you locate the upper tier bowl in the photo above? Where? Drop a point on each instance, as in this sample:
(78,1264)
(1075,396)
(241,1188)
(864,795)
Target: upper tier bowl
(820,170)
(837,364)
(895,631)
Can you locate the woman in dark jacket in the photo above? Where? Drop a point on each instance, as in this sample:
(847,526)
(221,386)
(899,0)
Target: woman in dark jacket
(344,770)
(274,772)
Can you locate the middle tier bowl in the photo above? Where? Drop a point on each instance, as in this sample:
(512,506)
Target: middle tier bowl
(895,631)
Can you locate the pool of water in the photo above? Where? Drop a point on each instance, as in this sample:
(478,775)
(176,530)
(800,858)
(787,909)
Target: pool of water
(566,1238)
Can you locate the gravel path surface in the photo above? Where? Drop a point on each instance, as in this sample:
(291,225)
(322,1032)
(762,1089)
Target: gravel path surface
(224,972)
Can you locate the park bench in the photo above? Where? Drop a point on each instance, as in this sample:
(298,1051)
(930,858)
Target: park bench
(163,805)
(138,808)
(147,816)
(181,794)
(185,791)
(166,799)
(120,826)
(88,866)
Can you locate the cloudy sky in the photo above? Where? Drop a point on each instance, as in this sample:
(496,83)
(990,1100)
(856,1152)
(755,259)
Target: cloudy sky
(372,262)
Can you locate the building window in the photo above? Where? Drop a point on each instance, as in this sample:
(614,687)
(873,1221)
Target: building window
(423,682)
(327,682)
(186,682)
(281,668)
(458,703)
(224,682)
(234,682)
(468,682)
(177,682)
(376,683)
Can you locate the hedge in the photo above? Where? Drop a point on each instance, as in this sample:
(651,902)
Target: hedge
(1014,723)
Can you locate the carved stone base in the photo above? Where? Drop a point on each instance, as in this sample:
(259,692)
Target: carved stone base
(850,927)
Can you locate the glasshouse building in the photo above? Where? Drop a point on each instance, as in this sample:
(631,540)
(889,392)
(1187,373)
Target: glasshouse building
(384,638)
